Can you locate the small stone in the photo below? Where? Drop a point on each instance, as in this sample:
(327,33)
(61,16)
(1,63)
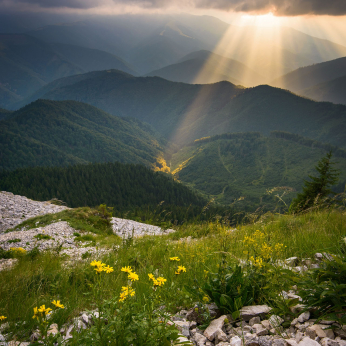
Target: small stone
(299,336)
(85,319)
(213,327)
(279,342)
(53,329)
(235,341)
(199,339)
(252,342)
(291,342)
(259,330)
(220,336)
(34,336)
(318,256)
(297,308)
(304,317)
(266,324)
(308,342)
(275,321)
(311,333)
(265,340)
(254,320)
(248,312)
(294,322)
(292,261)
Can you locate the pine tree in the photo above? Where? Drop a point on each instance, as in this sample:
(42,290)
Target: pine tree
(318,187)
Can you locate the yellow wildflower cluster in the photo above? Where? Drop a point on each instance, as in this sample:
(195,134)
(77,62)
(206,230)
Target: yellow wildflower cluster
(101,267)
(260,250)
(174,259)
(2,318)
(257,262)
(160,281)
(42,311)
(180,270)
(125,292)
(18,250)
(206,299)
(131,274)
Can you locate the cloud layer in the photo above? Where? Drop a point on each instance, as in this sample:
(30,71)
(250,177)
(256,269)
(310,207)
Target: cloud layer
(277,7)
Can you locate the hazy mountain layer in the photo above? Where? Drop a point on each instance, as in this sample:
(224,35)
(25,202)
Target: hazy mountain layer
(205,67)
(310,76)
(47,133)
(184,112)
(232,166)
(26,64)
(331,91)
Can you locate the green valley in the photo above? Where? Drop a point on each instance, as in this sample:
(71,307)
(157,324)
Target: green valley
(251,168)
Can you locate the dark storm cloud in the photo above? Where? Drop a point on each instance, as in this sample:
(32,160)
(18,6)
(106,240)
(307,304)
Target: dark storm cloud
(278,7)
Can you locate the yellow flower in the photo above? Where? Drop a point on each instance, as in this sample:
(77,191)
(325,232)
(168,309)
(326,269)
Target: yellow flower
(18,250)
(126,291)
(2,318)
(174,259)
(58,304)
(122,297)
(96,263)
(43,310)
(182,269)
(99,269)
(151,277)
(126,269)
(206,299)
(133,276)
(35,313)
(108,269)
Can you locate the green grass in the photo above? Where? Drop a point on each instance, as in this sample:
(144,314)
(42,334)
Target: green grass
(38,280)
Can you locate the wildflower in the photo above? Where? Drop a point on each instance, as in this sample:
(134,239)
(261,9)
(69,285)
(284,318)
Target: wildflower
(133,276)
(180,269)
(151,277)
(126,291)
(2,318)
(226,320)
(96,263)
(174,259)
(18,250)
(160,281)
(206,299)
(108,269)
(122,297)
(43,310)
(58,304)
(35,313)
(126,269)
(196,309)
(99,269)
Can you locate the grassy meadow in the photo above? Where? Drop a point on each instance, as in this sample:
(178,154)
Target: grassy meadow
(206,251)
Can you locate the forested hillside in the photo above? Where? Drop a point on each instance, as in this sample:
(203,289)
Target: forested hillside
(123,186)
(48,133)
(233,166)
(184,112)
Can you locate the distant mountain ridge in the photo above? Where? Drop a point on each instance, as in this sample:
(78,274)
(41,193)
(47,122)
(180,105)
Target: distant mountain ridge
(184,112)
(205,67)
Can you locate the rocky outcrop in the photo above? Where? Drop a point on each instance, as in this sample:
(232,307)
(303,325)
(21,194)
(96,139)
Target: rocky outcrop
(15,209)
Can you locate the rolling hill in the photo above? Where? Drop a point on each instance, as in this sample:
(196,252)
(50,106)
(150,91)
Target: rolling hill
(331,91)
(204,67)
(184,112)
(231,166)
(47,133)
(310,76)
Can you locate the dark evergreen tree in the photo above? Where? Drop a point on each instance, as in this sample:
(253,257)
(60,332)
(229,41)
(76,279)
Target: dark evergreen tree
(318,187)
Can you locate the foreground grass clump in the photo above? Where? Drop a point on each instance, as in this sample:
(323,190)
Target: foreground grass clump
(169,271)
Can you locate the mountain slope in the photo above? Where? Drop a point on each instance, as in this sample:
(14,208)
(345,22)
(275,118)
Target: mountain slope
(232,166)
(26,64)
(61,133)
(203,67)
(310,76)
(184,112)
(4,113)
(331,91)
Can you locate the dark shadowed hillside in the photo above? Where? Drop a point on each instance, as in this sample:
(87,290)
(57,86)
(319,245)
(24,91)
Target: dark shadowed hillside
(47,133)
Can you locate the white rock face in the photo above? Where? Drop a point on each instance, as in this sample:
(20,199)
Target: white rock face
(15,209)
(127,228)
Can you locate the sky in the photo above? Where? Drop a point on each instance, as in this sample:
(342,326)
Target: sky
(320,18)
